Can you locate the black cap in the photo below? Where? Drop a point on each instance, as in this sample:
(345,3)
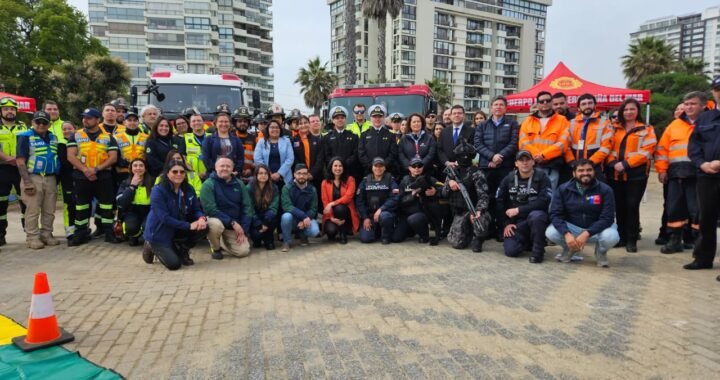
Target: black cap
(523,153)
(300,167)
(715,84)
(378,161)
(41,115)
(130,114)
(416,161)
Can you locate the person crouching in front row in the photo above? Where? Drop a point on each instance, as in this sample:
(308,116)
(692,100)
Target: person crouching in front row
(377,199)
(227,205)
(299,200)
(133,200)
(418,205)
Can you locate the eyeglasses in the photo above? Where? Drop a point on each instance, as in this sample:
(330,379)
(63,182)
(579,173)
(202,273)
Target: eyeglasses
(544,101)
(177,172)
(614,116)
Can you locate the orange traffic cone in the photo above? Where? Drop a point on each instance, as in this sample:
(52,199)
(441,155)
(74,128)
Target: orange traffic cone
(43,330)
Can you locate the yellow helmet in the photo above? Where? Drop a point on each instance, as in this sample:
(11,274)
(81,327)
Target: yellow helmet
(9,102)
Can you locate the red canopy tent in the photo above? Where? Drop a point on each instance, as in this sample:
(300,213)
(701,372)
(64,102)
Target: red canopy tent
(561,79)
(25,104)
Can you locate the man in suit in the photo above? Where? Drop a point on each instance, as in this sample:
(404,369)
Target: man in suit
(451,136)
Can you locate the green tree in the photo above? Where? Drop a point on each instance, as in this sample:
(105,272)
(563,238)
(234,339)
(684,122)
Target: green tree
(648,56)
(379,10)
(350,54)
(316,83)
(694,66)
(668,89)
(37,35)
(91,83)
(441,91)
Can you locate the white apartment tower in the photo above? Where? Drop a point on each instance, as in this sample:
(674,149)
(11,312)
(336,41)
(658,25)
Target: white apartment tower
(482,48)
(695,35)
(192,36)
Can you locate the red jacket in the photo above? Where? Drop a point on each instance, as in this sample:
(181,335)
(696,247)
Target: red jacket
(347,197)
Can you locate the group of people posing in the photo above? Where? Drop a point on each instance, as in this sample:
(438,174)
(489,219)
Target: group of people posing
(244,182)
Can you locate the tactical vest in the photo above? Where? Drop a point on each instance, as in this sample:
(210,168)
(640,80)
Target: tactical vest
(520,195)
(8,137)
(193,151)
(376,192)
(42,157)
(141,198)
(92,153)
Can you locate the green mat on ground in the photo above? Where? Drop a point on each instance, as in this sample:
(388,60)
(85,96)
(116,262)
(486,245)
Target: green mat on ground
(49,363)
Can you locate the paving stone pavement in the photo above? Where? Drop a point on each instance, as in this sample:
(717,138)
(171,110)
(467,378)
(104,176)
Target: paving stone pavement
(372,311)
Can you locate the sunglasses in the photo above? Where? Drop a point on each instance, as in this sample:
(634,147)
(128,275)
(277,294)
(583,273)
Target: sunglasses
(416,166)
(41,122)
(431,116)
(177,172)
(358,112)
(614,116)
(544,101)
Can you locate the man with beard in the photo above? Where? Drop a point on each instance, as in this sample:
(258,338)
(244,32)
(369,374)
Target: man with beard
(191,145)
(560,106)
(430,120)
(590,136)
(582,211)
(299,201)
(149,116)
(522,202)
(360,124)
(10,128)
(241,117)
(341,143)
(446,119)
(463,228)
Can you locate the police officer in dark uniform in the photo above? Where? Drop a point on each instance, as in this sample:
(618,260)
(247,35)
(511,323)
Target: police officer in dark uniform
(418,205)
(463,230)
(704,152)
(523,198)
(378,141)
(376,200)
(340,142)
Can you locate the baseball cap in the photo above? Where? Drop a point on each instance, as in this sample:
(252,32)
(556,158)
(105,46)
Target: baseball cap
(416,161)
(41,115)
(523,153)
(91,112)
(715,84)
(377,110)
(130,114)
(378,161)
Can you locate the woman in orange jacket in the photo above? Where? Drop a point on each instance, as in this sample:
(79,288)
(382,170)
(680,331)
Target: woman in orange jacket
(628,165)
(338,198)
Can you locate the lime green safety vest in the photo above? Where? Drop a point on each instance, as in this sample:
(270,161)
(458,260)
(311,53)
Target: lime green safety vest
(193,151)
(8,137)
(141,198)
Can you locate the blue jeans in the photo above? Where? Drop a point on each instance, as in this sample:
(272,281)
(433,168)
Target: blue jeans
(288,224)
(603,241)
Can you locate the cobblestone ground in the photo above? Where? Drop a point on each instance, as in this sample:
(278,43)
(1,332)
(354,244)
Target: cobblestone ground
(372,311)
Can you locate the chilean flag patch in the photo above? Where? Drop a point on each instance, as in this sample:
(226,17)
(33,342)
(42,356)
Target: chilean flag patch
(594,199)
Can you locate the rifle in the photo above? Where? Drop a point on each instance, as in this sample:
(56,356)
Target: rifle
(452,174)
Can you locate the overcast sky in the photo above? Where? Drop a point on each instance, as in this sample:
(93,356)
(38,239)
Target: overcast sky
(589,36)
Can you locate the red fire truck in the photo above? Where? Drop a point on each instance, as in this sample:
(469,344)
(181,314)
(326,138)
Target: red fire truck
(396,97)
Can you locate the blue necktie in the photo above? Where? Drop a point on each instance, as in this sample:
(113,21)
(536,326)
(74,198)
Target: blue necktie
(455,135)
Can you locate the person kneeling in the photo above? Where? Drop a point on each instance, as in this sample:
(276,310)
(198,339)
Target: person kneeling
(522,200)
(133,200)
(299,200)
(175,222)
(376,201)
(582,211)
(227,205)
(418,206)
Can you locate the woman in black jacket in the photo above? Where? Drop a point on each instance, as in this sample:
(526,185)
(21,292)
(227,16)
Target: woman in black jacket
(133,200)
(158,144)
(265,199)
(417,143)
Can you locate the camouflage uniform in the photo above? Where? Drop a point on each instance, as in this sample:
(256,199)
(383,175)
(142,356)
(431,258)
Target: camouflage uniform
(462,231)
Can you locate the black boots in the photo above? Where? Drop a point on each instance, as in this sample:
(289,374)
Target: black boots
(631,246)
(79,238)
(476,244)
(147,253)
(675,244)
(343,237)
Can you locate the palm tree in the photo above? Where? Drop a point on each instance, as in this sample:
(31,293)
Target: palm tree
(316,83)
(694,66)
(648,56)
(440,90)
(378,10)
(350,53)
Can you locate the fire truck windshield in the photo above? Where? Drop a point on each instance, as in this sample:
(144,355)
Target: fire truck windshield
(350,102)
(405,104)
(203,97)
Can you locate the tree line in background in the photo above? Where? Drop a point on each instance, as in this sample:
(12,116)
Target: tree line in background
(651,64)
(47,52)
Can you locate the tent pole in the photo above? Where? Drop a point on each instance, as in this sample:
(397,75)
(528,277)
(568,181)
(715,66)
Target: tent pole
(647,114)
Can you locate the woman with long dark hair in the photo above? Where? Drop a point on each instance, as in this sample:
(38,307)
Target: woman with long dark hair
(337,193)
(265,198)
(176,221)
(133,200)
(275,151)
(628,165)
(223,143)
(192,177)
(158,144)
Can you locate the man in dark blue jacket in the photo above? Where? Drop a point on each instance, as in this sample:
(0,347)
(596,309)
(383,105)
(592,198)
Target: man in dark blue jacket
(227,205)
(496,141)
(299,201)
(704,152)
(582,211)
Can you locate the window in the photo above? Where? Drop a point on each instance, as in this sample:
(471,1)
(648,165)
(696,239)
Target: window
(408,57)
(408,41)
(196,69)
(225,33)
(475,38)
(444,75)
(408,27)
(473,52)
(165,8)
(197,39)
(197,54)
(409,12)
(226,47)
(138,72)
(197,23)
(125,14)
(127,43)
(166,39)
(441,61)
(473,66)
(96,16)
(126,28)
(408,71)
(129,57)
(98,31)
(167,54)
(164,23)
(475,24)
(444,19)
(443,34)
(227,61)
(442,47)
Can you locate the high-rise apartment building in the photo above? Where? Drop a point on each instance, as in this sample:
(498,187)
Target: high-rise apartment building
(482,48)
(695,35)
(198,36)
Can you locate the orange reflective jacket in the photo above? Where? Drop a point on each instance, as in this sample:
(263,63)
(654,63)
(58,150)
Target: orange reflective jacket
(634,148)
(595,145)
(550,141)
(672,150)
